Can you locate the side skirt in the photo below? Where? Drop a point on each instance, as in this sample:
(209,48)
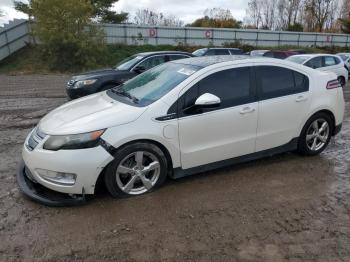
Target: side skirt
(291,146)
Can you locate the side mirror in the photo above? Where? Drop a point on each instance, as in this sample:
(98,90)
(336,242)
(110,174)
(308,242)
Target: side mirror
(139,69)
(207,100)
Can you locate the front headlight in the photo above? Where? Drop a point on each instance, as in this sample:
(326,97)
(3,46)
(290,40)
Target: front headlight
(86,140)
(85,83)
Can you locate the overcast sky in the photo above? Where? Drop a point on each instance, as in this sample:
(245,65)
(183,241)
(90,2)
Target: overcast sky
(186,10)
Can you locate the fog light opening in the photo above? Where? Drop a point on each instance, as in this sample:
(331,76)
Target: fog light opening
(59,178)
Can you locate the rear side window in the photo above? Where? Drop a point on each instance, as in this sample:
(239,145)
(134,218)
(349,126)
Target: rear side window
(232,86)
(268,54)
(274,81)
(280,55)
(236,52)
(315,62)
(221,52)
(176,57)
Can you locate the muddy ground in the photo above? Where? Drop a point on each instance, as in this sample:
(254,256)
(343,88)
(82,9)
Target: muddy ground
(284,208)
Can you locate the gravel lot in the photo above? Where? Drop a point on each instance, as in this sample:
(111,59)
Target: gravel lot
(284,208)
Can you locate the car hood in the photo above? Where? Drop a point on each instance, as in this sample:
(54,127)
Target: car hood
(98,74)
(88,114)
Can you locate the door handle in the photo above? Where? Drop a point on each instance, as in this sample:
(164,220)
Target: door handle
(246,110)
(301,99)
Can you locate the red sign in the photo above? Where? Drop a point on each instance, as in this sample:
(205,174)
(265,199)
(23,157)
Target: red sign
(152,32)
(208,34)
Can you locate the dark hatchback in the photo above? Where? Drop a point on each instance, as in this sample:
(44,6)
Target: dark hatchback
(100,80)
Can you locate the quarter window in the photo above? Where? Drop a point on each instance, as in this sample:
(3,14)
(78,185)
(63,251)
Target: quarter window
(329,61)
(278,81)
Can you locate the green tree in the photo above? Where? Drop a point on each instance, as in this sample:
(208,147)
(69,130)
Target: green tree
(297,27)
(67,38)
(345,24)
(101,10)
(217,18)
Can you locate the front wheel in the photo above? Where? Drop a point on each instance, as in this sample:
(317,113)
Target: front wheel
(316,134)
(137,169)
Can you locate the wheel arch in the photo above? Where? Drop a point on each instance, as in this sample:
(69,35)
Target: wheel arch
(325,111)
(150,141)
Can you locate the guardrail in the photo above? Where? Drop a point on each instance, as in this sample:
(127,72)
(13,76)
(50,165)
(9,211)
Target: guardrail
(16,35)
(132,34)
(13,36)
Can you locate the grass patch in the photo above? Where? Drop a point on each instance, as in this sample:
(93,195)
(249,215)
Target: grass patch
(29,60)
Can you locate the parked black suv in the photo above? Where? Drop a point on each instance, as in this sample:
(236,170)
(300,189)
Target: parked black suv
(217,51)
(96,81)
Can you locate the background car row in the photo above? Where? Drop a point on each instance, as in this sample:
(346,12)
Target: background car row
(95,81)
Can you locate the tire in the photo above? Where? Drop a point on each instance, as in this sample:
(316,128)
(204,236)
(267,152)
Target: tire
(341,80)
(306,144)
(126,176)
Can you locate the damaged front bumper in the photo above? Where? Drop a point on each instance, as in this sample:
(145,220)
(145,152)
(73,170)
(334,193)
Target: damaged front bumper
(43,195)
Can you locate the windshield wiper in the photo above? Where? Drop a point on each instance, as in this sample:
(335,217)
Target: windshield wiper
(121,92)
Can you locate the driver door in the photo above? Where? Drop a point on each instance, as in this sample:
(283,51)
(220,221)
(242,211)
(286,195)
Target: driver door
(212,134)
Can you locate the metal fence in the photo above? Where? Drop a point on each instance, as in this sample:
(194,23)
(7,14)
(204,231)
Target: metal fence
(139,35)
(13,36)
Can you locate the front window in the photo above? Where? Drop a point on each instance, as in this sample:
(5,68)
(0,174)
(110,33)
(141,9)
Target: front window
(153,84)
(128,63)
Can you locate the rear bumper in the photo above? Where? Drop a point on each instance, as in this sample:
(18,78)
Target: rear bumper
(42,195)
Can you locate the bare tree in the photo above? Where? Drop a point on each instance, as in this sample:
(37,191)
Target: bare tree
(254,13)
(149,17)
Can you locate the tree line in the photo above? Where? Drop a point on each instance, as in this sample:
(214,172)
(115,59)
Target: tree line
(298,15)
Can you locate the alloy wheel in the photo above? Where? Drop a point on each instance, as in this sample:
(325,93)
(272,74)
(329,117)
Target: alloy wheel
(138,172)
(317,134)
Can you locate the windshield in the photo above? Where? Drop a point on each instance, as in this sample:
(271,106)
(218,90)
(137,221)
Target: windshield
(298,59)
(151,85)
(129,62)
(199,52)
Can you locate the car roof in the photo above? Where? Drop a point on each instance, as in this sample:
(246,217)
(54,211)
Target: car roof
(314,55)
(164,53)
(204,61)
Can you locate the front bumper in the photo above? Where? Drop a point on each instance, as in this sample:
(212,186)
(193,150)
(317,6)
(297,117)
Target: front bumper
(41,194)
(87,164)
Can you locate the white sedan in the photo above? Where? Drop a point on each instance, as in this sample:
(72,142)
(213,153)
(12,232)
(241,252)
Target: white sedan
(177,119)
(323,62)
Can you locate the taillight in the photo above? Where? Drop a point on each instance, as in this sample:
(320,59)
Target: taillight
(333,84)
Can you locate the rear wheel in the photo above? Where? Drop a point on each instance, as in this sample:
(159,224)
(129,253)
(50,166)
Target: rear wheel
(137,169)
(316,134)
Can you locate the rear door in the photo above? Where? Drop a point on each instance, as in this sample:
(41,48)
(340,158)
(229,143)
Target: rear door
(283,102)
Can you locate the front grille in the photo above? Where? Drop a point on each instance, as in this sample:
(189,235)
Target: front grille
(35,138)
(71,83)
